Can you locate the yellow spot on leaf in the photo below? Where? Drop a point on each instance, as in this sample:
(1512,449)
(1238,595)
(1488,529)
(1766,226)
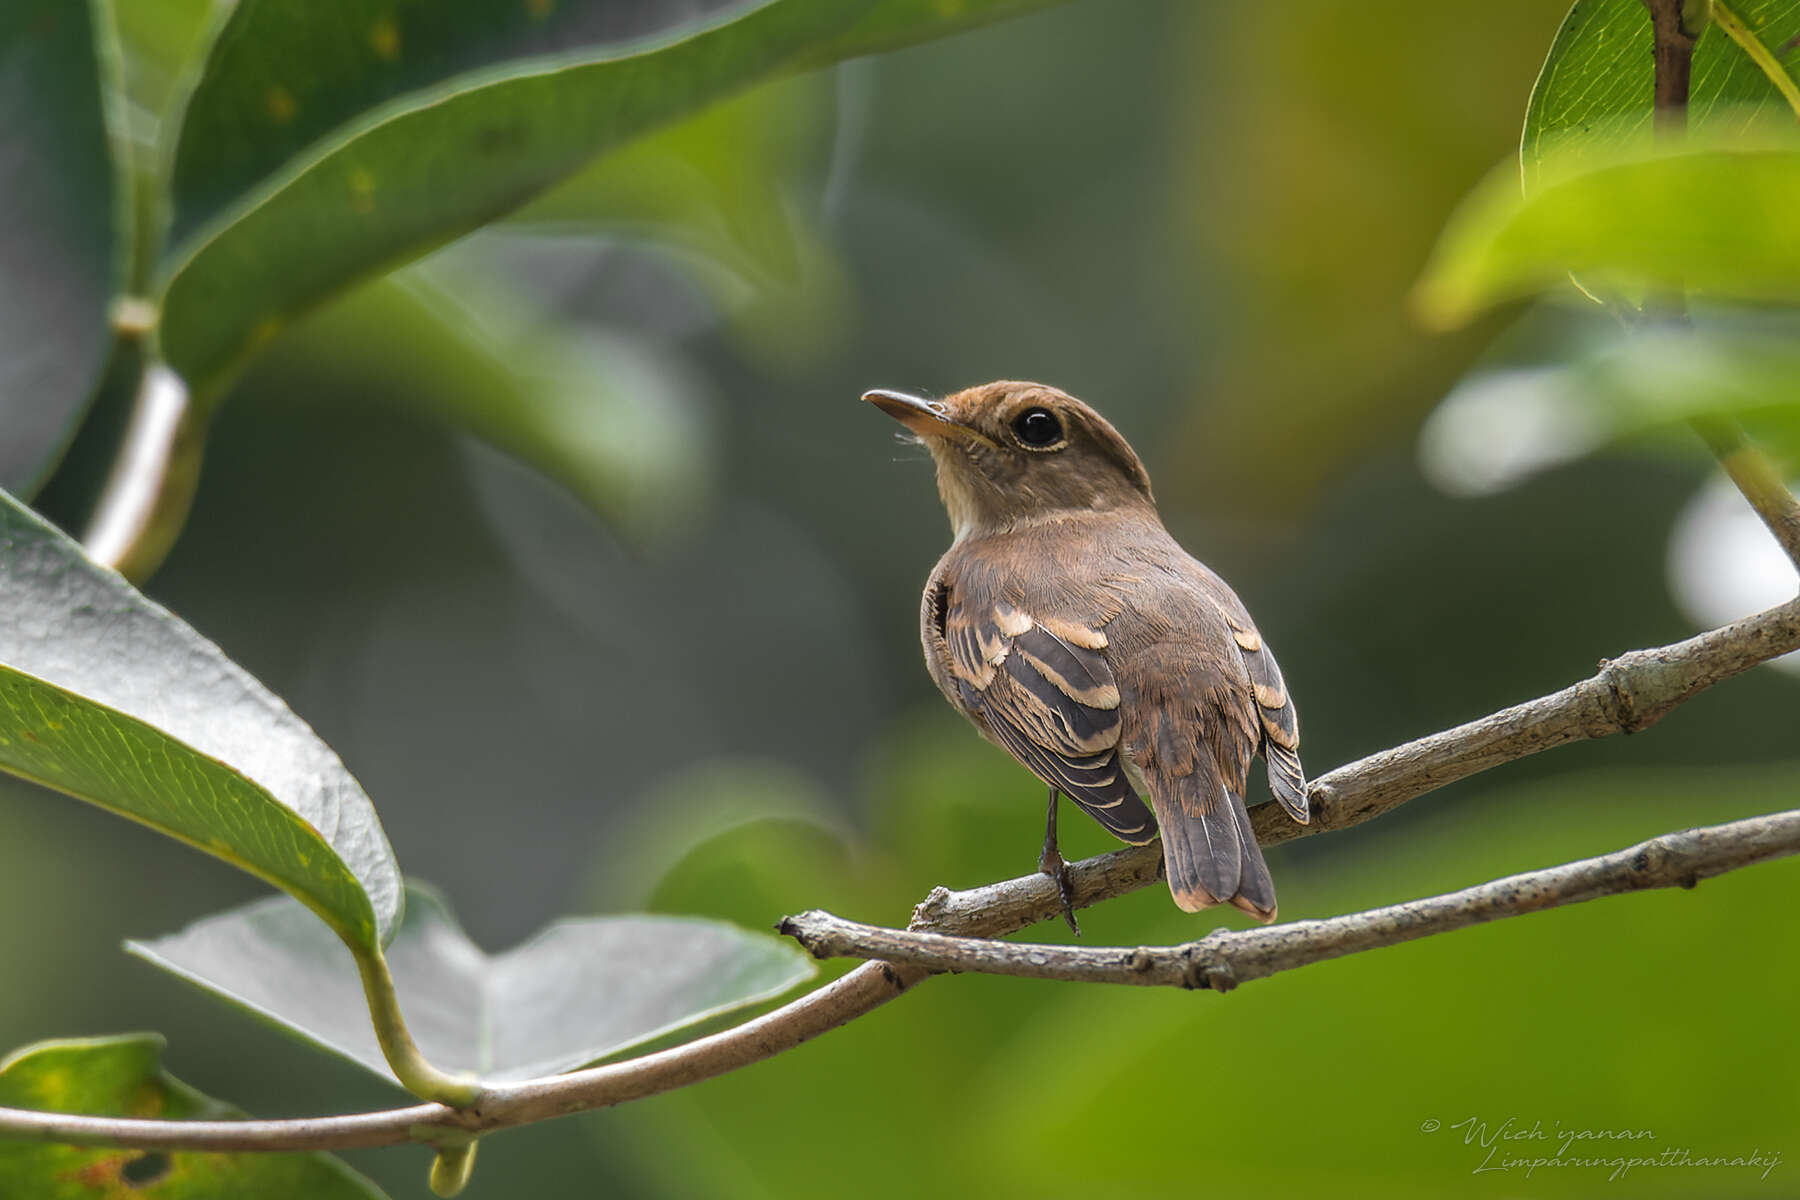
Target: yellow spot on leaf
(264,332)
(539,9)
(384,39)
(362,191)
(53,1088)
(281,105)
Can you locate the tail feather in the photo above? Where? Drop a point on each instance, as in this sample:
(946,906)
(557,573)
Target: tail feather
(1256,890)
(1210,852)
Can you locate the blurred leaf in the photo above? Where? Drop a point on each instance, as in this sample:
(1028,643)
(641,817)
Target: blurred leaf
(1597,81)
(123,1077)
(111,698)
(582,989)
(1507,422)
(1300,221)
(615,421)
(1712,219)
(61,237)
(712,183)
(696,804)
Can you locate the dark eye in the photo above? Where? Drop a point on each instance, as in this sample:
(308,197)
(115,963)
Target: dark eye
(1038,427)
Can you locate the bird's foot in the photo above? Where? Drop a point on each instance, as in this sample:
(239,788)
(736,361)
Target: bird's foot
(1052,863)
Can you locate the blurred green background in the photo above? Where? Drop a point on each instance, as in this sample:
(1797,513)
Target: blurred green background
(576,544)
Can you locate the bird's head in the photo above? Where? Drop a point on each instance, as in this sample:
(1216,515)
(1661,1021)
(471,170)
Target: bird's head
(1010,454)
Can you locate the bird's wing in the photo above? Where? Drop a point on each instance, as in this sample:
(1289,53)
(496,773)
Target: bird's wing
(1042,688)
(1280,741)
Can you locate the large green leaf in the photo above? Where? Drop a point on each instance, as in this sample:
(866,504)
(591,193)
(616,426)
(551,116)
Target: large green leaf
(582,989)
(61,237)
(1596,82)
(1624,211)
(1713,219)
(296,179)
(123,1077)
(106,695)
(434,163)
(285,73)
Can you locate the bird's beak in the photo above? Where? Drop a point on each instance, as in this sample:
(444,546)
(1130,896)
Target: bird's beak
(927,418)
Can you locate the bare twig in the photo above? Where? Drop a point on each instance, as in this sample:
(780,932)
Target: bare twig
(1672,44)
(1630,693)
(1225,958)
(1627,695)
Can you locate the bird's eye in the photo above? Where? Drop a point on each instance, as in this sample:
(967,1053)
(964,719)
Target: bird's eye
(1038,427)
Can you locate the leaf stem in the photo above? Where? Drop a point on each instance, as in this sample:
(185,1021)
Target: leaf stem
(1750,44)
(410,1067)
(451,1169)
(146,499)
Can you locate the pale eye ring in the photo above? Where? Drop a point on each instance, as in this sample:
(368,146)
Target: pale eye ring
(1037,428)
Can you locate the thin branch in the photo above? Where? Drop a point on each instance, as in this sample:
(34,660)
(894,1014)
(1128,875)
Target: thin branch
(1225,958)
(1628,694)
(1673,34)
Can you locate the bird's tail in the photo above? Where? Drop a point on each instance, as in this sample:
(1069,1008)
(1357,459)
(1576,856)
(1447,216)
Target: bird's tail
(1209,850)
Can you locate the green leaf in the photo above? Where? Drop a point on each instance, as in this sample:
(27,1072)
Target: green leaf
(894,24)
(123,1077)
(713,184)
(1712,218)
(1622,211)
(617,422)
(582,989)
(109,697)
(61,237)
(422,168)
(319,153)
(1595,85)
(283,75)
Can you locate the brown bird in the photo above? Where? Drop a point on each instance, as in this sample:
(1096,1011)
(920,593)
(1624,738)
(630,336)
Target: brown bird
(1068,625)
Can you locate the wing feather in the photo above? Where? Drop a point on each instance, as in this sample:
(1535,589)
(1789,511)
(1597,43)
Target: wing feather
(1280,740)
(1045,692)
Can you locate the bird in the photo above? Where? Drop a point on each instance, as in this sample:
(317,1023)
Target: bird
(1073,631)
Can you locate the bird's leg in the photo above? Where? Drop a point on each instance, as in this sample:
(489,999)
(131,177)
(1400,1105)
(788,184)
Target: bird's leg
(1051,863)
